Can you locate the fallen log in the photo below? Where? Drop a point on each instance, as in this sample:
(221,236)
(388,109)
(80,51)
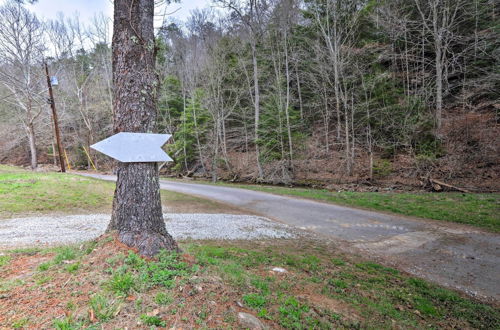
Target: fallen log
(440,184)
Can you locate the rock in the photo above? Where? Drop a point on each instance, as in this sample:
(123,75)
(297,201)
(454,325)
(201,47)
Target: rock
(248,321)
(279,270)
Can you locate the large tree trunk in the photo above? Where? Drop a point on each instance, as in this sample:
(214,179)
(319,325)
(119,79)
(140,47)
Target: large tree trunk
(137,213)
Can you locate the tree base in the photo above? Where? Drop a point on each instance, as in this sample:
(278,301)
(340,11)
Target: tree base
(148,244)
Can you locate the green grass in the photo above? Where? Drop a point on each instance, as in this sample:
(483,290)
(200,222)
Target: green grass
(480,210)
(32,192)
(381,295)
(152,320)
(323,289)
(4,260)
(27,192)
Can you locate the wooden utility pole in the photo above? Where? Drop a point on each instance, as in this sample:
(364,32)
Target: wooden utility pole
(54,116)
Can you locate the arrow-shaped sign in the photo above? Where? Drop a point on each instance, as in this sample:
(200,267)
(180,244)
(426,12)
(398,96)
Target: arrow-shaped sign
(134,147)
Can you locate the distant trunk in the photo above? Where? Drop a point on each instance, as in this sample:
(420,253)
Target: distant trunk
(137,213)
(32,142)
(439,84)
(256,107)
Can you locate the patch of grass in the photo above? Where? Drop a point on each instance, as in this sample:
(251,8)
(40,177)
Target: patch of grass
(25,251)
(44,266)
(480,210)
(292,313)
(73,268)
(23,192)
(254,300)
(140,275)
(21,323)
(4,260)
(152,321)
(347,291)
(163,298)
(41,280)
(381,295)
(7,285)
(65,253)
(67,323)
(121,283)
(338,262)
(104,309)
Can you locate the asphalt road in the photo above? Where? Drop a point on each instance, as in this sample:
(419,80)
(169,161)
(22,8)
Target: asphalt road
(452,255)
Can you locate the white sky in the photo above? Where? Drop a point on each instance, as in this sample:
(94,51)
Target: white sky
(86,9)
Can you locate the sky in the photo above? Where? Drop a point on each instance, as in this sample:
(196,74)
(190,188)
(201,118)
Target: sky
(88,8)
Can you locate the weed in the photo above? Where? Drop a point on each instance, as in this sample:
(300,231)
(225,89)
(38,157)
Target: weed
(104,310)
(152,321)
(138,304)
(4,260)
(121,283)
(43,279)
(203,314)
(254,300)
(264,314)
(65,253)
(44,266)
(72,268)
(70,305)
(425,306)
(338,262)
(134,260)
(21,323)
(163,298)
(66,323)
(263,286)
(291,313)
(234,273)
(310,263)
(339,284)
(162,272)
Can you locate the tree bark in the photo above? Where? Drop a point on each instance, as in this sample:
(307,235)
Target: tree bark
(137,214)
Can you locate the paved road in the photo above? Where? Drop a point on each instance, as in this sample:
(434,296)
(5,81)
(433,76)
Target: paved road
(453,255)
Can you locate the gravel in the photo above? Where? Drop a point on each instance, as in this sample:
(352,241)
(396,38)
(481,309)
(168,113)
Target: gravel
(52,230)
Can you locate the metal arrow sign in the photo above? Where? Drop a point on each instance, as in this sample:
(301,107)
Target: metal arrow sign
(134,147)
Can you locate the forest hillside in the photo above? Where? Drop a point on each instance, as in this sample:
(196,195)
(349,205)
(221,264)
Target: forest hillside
(352,94)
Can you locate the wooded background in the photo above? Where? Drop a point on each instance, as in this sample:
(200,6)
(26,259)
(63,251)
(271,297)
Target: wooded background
(311,92)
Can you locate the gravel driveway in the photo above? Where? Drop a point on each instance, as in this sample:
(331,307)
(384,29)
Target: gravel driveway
(52,230)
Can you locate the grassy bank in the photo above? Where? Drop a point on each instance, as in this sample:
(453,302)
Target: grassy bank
(480,210)
(25,192)
(101,284)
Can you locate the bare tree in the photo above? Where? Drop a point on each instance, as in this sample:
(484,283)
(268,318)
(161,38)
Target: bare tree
(440,19)
(21,49)
(252,14)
